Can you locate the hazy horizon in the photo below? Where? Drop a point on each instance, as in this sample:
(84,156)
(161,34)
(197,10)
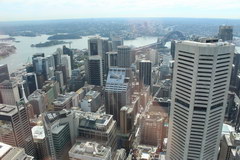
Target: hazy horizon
(28,10)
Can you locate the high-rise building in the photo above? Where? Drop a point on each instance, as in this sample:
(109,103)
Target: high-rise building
(228,143)
(15,127)
(8,152)
(57,59)
(65,60)
(40,142)
(31,81)
(9,92)
(173,49)
(117,92)
(59,129)
(116,41)
(112,59)
(124,56)
(69,52)
(95,46)
(95,70)
(38,101)
(225,33)
(4,74)
(199,95)
(59,78)
(40,65)
(145,72)
(104,132)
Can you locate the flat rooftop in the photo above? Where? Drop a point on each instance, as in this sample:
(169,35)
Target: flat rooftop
(9,110)
(200,44)
(38,132)
(92,120)
(89,149)
(4,148)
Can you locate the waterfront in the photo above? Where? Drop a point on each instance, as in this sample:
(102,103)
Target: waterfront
(24,50)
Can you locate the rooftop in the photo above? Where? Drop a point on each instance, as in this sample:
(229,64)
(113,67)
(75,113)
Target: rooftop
(9,110)
(38,132)
(4,148)
(116,80)
(92,120)
(199,44)
(89,149)
(61,99)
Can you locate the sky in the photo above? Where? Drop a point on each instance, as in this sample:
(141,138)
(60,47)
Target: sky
(17,10)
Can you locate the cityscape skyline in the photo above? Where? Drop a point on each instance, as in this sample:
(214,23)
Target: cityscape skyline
(119,88)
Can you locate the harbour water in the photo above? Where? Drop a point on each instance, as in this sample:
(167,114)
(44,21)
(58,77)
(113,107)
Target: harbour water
(24,50)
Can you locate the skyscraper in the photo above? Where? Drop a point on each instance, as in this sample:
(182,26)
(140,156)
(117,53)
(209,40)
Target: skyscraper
(9,92)
(95,46)
(95,70)
(124,56)
(225,33)
(117,92)
(145,72)
(15,127)
(199,95)
(4,74)
(31,80)
(66,61)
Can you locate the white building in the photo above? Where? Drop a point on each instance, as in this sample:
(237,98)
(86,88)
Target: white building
(89,151)
(201,78)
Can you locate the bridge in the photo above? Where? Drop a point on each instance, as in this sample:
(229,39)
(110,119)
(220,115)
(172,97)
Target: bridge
(161,42)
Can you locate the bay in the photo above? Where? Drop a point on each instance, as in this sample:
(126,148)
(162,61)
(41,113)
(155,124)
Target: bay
(24,50)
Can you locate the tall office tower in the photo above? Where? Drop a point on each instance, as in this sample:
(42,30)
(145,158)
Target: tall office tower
(225,33)
(95,70)
(9,92)
(31,80)
(15,127)
(38,101)
(199,95)
(228,142)
(4,74)
(57,59)
(61,133)
(95,46)
(173,49)
(51,62)
(234,75)
(145,72)
(8,152)
(65,60)
(69,52)
(36,55)
(112,59)
(40,142)
(59,78)
(40,65)
(124,56)
(117,92)
(116,41)
(104,134)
